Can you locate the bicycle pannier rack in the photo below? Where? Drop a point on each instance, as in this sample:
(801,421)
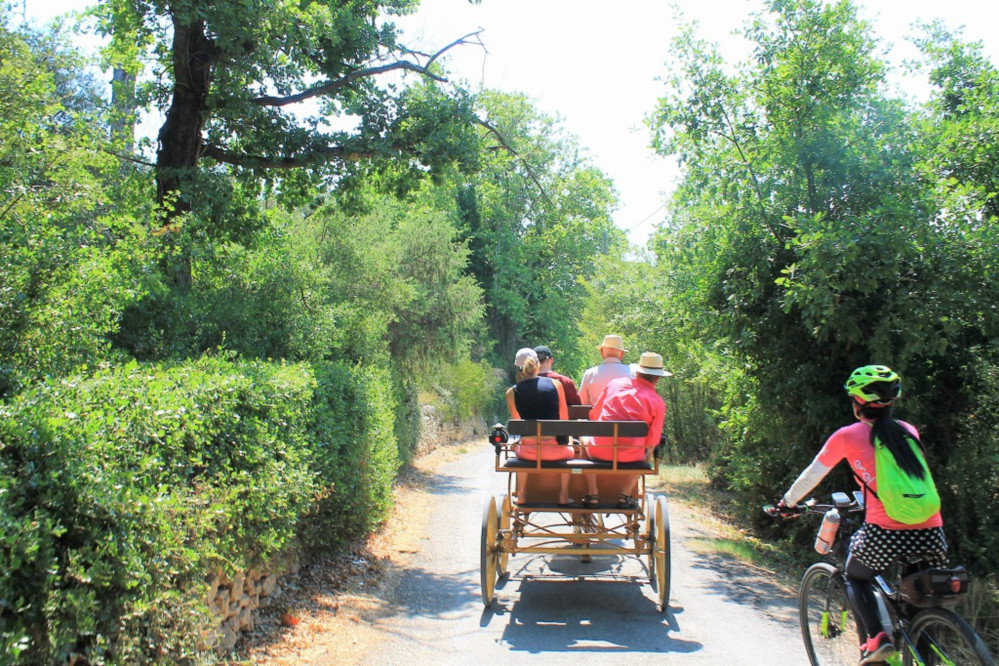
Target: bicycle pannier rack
(934,586)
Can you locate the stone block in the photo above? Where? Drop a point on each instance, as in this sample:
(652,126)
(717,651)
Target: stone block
(236,591)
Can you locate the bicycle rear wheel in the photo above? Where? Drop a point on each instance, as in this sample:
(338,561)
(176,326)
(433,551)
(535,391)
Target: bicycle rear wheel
(944,638)
(828,626)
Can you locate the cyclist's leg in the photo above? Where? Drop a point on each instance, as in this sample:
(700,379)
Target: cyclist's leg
(860,590)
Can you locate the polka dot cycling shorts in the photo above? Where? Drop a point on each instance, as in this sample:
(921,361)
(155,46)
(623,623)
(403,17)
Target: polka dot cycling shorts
(878,547)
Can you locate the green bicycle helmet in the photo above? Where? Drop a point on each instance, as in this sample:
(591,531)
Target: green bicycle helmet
(877,385)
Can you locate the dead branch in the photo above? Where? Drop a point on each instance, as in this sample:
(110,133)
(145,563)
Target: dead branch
(402,65)
(505,145)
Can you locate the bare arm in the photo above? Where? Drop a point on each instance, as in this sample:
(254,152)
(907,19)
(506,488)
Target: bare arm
(563,408)
(511,405)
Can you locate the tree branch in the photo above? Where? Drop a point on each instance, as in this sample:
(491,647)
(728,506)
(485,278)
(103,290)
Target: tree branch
(506,146)
(734,139)
(332,86)
(458,42)
(312,158)
(129,158)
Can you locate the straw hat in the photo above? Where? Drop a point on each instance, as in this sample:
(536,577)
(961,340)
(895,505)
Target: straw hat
(651,364)
(613,342)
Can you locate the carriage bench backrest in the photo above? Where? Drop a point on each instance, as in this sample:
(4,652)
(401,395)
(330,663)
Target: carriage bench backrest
(577,428)
(553,428)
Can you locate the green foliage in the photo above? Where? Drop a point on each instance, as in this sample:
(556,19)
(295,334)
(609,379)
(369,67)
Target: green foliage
(625,296)
(821,225)
(121,490)
(443,307)
(356,454)
(408,412)
(534,222)
(468,392)
(393,281)
(68,264)
(118,492)
(325,89)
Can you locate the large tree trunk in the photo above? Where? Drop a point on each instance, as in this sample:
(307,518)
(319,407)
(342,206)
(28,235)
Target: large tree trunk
(180,137)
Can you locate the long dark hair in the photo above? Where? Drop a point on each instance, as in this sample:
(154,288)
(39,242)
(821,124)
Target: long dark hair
(895,437)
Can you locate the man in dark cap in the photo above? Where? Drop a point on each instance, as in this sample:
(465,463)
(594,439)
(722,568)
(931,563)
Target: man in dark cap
(546,360)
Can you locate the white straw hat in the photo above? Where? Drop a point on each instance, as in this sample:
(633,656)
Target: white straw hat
(613,342)
(651,364)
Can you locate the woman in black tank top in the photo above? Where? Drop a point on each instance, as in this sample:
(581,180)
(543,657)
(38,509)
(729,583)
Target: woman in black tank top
(534,397)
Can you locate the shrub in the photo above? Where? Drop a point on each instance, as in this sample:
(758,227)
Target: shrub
(408,414)
(356,454)
(118,492)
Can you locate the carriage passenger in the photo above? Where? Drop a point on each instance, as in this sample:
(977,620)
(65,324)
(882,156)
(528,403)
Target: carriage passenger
(611,367)
(536,398)
(628,399)
(546,360)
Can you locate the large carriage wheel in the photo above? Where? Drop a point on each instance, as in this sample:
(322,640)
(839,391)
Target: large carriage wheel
(659,559)
(650,537)
(504,510)
(489,555)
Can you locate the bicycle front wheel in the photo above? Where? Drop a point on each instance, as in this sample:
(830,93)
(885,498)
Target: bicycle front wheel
(944,638)
(828,626)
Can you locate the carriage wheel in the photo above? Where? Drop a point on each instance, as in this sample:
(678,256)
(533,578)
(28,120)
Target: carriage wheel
(504,509)
(661,553)
(488,553)
(650,539)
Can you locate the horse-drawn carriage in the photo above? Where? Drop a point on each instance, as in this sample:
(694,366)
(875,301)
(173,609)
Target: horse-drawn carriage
(539,525)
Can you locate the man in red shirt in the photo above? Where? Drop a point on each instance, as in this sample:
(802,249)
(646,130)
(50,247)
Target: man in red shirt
(629,399)
(546,361)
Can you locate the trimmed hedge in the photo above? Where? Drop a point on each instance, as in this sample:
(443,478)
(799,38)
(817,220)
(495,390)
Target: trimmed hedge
(118,492)
(356,455)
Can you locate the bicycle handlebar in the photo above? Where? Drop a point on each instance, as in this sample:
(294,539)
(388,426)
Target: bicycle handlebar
(811,506)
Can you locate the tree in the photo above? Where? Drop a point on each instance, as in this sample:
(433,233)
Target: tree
(68,264)
(821,225)
(791,240)
(228,76)
(535,218)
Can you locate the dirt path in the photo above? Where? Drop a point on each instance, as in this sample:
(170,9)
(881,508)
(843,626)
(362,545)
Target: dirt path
(333,604)
(412,598)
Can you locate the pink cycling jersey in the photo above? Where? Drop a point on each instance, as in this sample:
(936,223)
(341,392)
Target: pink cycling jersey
(853,444)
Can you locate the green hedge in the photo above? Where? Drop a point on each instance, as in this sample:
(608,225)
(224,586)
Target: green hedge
(356,453)
(118,492)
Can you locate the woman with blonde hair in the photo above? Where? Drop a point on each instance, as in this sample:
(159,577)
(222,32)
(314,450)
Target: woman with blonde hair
(538,398)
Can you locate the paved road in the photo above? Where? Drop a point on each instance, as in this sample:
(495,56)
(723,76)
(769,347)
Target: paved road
(720,612)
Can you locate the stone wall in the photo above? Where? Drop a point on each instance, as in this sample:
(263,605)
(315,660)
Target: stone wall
(233,602)
(435,432)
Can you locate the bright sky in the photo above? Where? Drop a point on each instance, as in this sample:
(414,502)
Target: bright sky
(594,64)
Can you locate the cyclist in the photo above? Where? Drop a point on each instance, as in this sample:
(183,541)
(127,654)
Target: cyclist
(873,390)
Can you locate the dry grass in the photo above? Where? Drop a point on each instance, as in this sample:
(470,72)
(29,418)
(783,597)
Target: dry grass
(689,486)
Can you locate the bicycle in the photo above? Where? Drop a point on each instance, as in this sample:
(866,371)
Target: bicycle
(915,605)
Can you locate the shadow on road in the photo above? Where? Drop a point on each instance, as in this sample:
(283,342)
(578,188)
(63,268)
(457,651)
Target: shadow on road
(743,584)
(586,617)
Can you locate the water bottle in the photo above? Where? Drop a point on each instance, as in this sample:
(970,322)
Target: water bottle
(827,532)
